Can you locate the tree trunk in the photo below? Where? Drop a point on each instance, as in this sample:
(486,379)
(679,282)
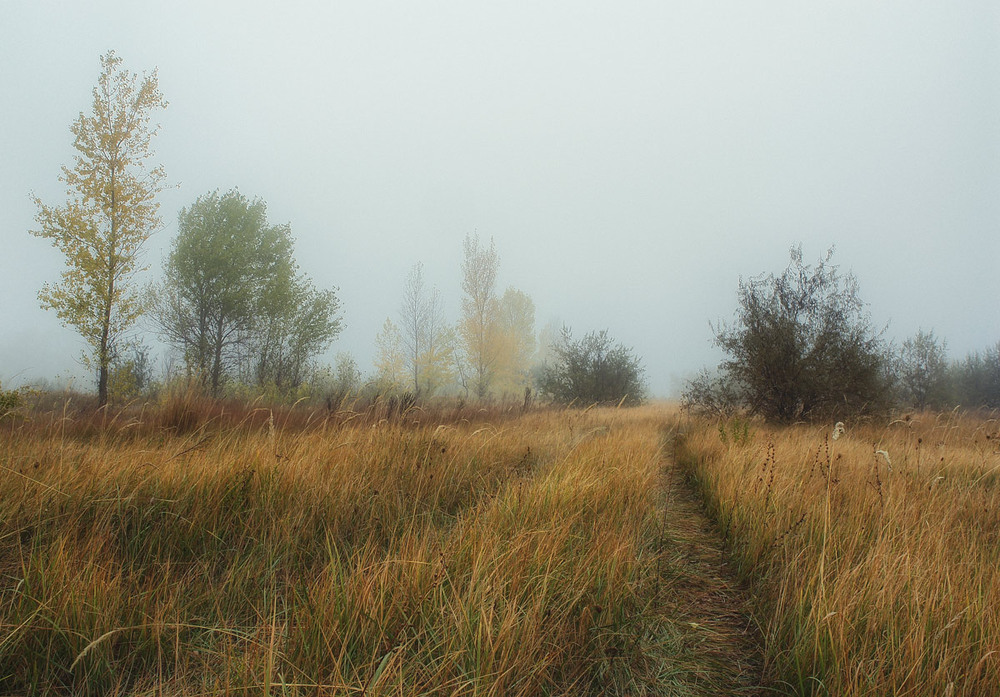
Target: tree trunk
(102,384)
(103,357)
(217,362)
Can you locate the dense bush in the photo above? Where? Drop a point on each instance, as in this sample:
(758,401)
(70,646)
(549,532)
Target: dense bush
(801,346)
(10,401)
(592,370)
(131,373)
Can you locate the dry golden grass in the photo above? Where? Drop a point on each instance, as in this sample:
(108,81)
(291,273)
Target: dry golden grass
(870,580)
(349,554)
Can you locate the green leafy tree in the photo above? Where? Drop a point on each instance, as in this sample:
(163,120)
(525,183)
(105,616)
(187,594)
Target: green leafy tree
(592,370)
(295,322)
(233,301)
(348,376)
(110,213)
(131,372)
(224,256)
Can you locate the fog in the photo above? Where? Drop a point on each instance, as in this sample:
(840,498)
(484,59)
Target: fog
(631,160)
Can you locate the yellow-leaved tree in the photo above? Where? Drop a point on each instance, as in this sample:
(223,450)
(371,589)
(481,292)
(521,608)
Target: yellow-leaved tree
(110,212)
(478,326)
(516,342)
(390,360)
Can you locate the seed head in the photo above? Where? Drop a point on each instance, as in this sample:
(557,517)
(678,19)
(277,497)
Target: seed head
(884,454)
(838,430)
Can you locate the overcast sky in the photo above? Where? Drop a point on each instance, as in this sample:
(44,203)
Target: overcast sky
(631,160)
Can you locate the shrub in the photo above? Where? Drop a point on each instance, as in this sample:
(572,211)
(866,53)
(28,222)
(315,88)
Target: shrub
(713,393)
(10,402)
(131,373)
(801,346)
(592,370)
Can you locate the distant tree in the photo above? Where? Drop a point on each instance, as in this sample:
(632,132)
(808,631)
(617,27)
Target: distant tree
(440,362)
(515,337)
(592,370)
(991,376)
(427,340)
(414,311)
(390,359)
(975,380)
(548,336)
(296,322)
(801,346)
(347,374)
(331,385)
(477,329)
(923,371)
(111,212)
(233,300)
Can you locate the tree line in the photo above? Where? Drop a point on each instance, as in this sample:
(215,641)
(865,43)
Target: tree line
(236,309)
(802,346)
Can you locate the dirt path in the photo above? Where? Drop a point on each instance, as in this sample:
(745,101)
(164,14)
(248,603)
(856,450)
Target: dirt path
(720,644)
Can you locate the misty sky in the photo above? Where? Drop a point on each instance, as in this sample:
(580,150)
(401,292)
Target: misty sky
(631,160)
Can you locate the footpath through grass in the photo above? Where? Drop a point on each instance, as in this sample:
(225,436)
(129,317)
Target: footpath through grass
(414,555)
(873,553)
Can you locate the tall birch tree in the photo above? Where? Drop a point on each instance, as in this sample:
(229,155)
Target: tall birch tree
(110,212)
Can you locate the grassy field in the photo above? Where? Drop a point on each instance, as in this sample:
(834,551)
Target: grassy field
(874,556)
(209,549)
(430,552)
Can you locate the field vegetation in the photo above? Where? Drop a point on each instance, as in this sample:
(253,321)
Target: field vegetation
(199,548)
(872,550)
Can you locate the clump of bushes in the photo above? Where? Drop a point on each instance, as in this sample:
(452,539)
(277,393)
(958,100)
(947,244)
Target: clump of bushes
(802,346)
(10,400)
(13,401)
(592,370)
